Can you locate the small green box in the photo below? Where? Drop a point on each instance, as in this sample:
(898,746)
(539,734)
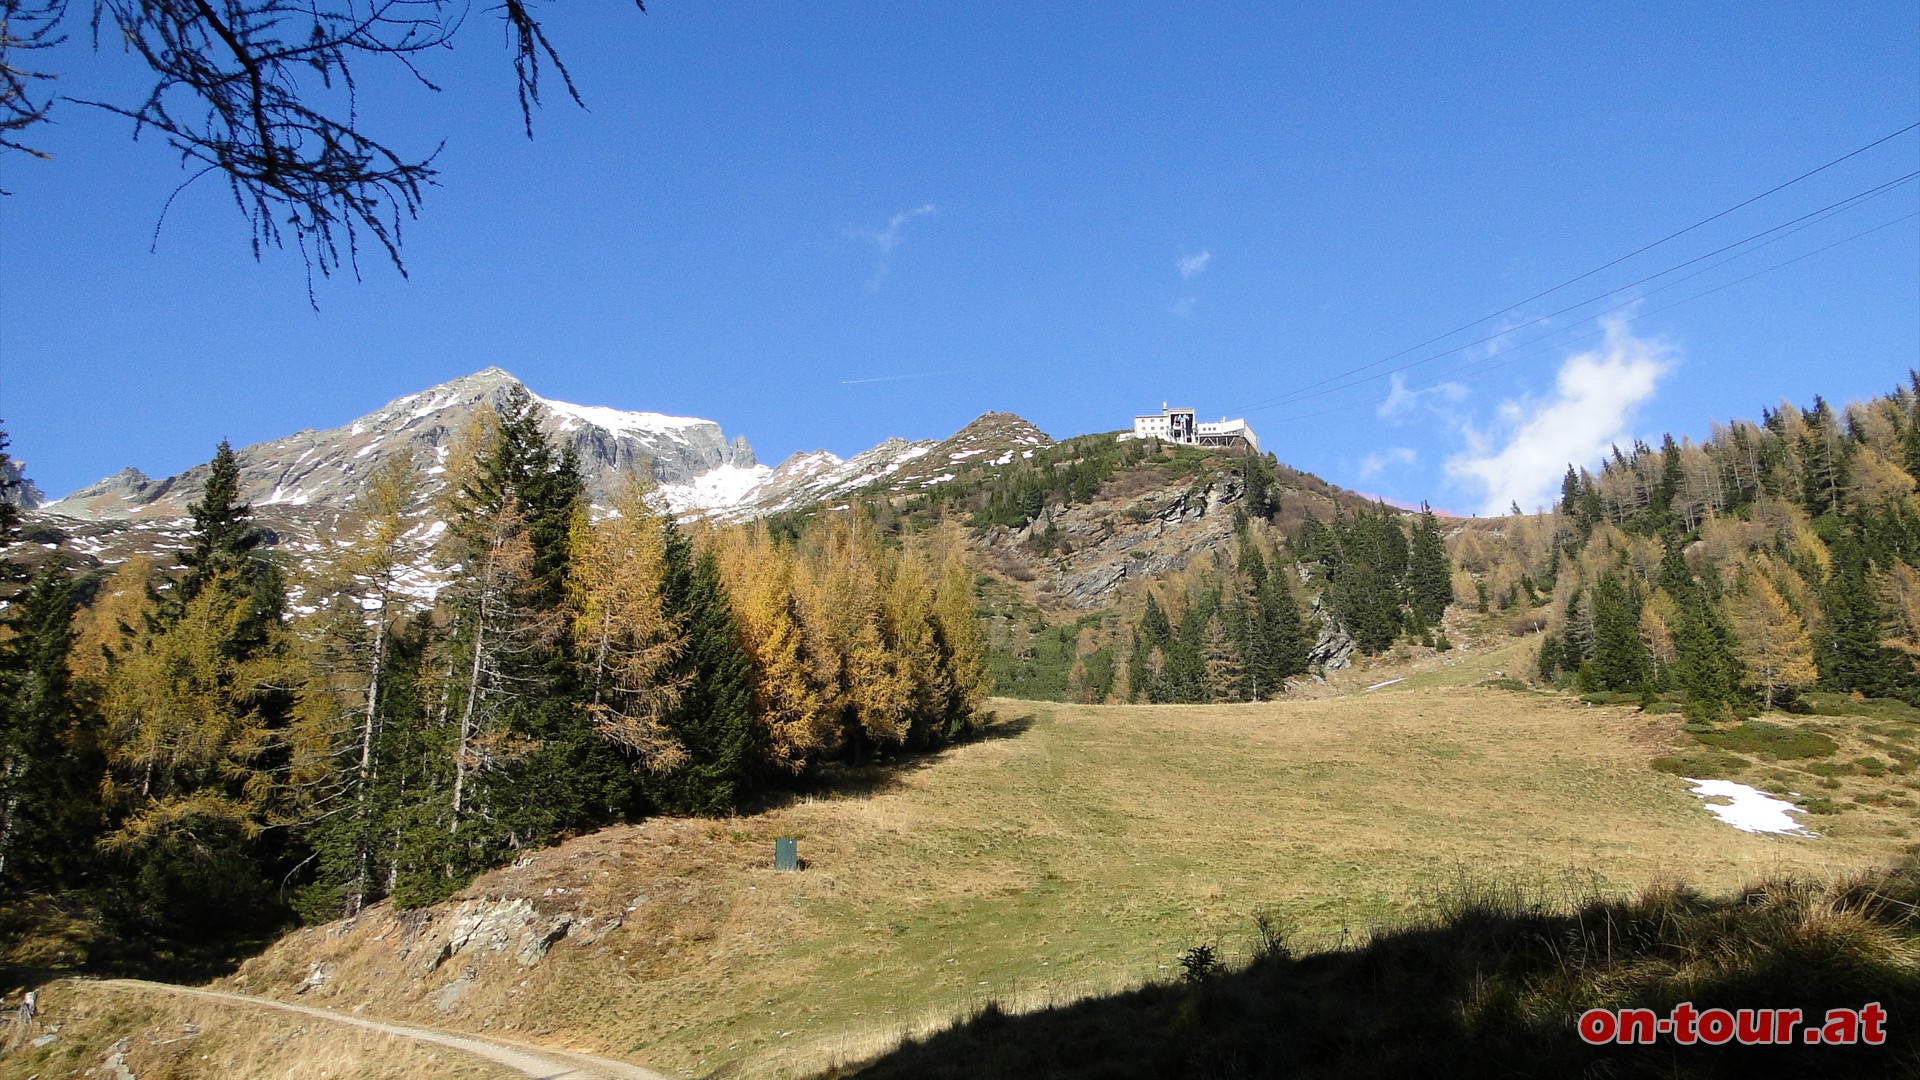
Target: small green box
(786,854)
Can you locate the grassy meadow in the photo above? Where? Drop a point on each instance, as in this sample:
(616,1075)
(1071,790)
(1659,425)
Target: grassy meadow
(1079,850)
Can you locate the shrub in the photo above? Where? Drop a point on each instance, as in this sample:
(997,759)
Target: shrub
(1702,764)
(1197,963)
(1776,741)
(1527,622)
(1611,697)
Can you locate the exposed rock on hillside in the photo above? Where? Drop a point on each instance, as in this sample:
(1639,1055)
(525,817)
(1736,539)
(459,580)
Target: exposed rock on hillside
(114,496)
(1333,650)
(495,954)
(1104,545)
(22,491)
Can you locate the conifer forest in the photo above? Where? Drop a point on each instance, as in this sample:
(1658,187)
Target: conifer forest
(195,752)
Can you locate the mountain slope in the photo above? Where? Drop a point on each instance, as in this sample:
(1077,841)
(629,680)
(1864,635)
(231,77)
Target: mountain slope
(895,467)
(1138,522)
(1073,850)
(698,470)
(691,460)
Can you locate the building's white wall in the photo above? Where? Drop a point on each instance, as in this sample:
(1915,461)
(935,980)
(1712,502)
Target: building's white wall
(1147,426)
(1161,426)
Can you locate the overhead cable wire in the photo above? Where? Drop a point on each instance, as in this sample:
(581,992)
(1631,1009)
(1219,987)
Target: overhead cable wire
(1800,224)
(1598,269)
(1312,390)
(1481,367)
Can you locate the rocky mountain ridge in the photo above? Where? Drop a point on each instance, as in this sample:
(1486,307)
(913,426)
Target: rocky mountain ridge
(697,470)
(895,467)
(298,485)
(19,489)
(692,461)
(1149,520)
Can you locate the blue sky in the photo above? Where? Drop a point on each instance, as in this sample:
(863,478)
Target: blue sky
(825,224)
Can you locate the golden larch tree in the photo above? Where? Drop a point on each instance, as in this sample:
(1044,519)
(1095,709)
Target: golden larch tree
(1775,648)
(624,639)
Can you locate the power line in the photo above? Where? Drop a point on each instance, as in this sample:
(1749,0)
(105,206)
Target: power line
(1809,220)
(1714,218)
(1309,391)
(1598,269)
(1483,366)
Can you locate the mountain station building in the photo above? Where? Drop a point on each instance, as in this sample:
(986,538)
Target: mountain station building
(1180,426)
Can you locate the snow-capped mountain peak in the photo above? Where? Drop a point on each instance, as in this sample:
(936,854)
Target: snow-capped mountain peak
(690,459)
(299,481)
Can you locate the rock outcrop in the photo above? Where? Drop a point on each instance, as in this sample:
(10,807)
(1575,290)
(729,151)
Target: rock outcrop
(1085,553)
(16,488)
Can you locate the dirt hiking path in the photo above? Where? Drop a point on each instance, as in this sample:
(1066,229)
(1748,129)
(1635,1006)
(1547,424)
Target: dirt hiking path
(542,1062)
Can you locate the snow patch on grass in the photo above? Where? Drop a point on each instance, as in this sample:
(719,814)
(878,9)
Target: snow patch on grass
(1749,809)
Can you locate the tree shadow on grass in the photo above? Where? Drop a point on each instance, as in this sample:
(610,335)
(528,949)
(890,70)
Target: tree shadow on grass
(845,780)
(1491,986)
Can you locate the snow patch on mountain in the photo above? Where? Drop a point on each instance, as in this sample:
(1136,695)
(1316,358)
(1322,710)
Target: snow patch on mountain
(715,489)
(620,421)
(302,482)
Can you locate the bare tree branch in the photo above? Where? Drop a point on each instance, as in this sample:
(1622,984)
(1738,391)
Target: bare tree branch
(263,91)
(25,26)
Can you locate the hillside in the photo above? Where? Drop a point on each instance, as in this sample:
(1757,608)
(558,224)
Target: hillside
(896,467)
(1135,522)
(121,1029)
(300,485)
(1071,851)
(639,669)
(297,480)
(1489,984)
(1067,852)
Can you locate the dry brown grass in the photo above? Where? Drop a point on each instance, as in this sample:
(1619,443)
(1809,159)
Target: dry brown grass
(1078,853)
(158,1036)
(1487,984)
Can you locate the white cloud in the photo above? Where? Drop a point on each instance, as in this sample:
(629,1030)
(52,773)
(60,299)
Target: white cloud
(1593,402)
(1189,265)
(1184,306)
(887,239)
(1400,401)
(1374,464)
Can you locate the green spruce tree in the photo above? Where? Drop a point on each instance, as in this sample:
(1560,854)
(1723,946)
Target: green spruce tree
(225,539)
(49,759)
(9,494)
(199,709)
(713,719)
(1706,663)
(1429,571)
(1849,652)
(1620,662)
(1146,664)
